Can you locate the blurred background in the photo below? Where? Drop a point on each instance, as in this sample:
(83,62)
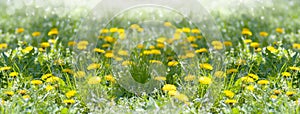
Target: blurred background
(75,4)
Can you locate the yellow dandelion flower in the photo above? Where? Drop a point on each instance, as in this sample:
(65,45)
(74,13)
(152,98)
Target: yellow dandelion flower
(246,32)
(71,43)
(169,87)
(199,37)
(280,30)
(229,93)
(194,45)
(254,76)
(227,43)
(202,50)
(53,31)
(106,45)
(36,34)
(250,87)
(191,39)
(216,43)
(277,92)
(257,49)
(296,46)
(151,47)
(70,94)
(173,63)
(109,55)
(206,66)
(254,44)
(140,46)
(121,30)
(185,29)
(69,102)
(160,45)
(205,80)
(290,93)
(247,79)
(94,80)
(36,82)
(49,88)
(5,68)
(93,66)
(45,76)
(263,82)
(230,101)
(3,45)
(155,52)
(167,24)
(196,31)
(45,44)
(22,92)
(13,74)
(286,74)
(218,47)
(27,49)
(247,41)
(99,50)
(273,97)
(20,30)
(42,50)
(82,45)
(52,79)
(294,68)
(135,26)
(272,49)
(109,39)
(233,70)
(113,30)
(103,31)
(9,93)
(110,78)
(26,97)
(70,71)
(263,34)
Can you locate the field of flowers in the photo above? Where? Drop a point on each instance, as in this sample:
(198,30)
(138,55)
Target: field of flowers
(46,66)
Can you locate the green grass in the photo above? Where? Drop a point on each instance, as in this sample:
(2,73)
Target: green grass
(104,87)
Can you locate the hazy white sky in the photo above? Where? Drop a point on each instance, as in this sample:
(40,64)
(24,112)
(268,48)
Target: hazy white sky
(208,4)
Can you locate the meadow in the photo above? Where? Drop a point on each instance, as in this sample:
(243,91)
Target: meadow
(52,62)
